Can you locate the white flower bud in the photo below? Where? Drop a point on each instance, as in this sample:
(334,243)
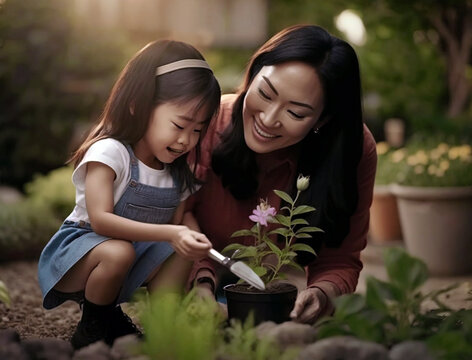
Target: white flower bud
(303,182)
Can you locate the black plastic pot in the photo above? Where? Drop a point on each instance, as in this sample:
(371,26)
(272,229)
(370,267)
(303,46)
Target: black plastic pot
(274,305)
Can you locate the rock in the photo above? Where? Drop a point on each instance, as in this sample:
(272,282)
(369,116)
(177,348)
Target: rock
(264,327)
(345,348)
(9,336)
(48,349)
(126,347)
(410,350)
(288,333)
(9,195)
(96,351)
(13,351)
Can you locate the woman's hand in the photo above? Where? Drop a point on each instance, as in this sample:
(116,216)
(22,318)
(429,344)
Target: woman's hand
(190,244)
(310,305)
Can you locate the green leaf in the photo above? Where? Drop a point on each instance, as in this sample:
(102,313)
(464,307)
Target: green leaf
(309,229)
(377,292)
(348,304)
(260,270)
(232,247)
(404,269)
(296,266)
(4,296)
(282,220)
(280,231)
(249,251)
(303,247)
(302,209)
(274,248)
(243,233)
(299,222)
(284,196)
(303,236)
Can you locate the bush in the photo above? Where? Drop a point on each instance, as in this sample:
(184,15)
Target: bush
(54,190)
(25,228)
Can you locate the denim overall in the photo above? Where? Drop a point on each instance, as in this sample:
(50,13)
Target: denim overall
(73,240)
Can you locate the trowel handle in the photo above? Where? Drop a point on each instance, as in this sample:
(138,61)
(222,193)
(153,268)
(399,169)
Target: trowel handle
(215,255)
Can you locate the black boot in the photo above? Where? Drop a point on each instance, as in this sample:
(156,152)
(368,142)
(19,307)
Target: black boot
(121,324)
(94,325)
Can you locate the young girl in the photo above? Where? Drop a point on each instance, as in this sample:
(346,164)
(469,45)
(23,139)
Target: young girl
(131,180)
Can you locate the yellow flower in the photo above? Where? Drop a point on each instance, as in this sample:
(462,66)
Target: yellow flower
(412,160)
(442,148)
(422,157)
(432,169)
(398,155)
(454,152)
(382,147)
(444,165)
(419,169)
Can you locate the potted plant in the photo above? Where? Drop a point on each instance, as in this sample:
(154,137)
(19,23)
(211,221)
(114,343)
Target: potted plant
(268,259)
(384,219)
(434,193)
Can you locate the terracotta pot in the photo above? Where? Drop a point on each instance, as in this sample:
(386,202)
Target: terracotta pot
(266,306)
(384,219)
(437,226)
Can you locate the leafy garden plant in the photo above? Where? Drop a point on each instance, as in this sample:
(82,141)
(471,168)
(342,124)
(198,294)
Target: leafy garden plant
(394,311)
(290,228)
(191,327)
(4,295)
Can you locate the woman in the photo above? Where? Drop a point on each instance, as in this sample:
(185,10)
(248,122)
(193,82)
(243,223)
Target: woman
(298,111)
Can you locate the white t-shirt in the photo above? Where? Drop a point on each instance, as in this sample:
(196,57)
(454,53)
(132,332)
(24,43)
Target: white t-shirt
(113,153)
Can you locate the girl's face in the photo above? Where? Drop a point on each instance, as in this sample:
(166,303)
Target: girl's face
(173,130)
(282,104)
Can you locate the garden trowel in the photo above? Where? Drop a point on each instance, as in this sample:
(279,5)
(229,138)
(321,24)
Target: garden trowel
(238,268)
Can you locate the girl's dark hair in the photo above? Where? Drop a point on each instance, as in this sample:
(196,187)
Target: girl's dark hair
(331,157)
(138,91)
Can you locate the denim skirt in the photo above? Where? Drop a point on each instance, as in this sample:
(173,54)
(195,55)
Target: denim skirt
(73,241)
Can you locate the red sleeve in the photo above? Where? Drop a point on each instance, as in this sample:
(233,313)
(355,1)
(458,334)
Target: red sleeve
(341,266)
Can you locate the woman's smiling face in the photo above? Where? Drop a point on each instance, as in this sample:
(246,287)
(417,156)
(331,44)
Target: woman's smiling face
(282,104)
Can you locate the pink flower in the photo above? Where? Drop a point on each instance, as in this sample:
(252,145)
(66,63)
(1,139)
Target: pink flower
(262,213)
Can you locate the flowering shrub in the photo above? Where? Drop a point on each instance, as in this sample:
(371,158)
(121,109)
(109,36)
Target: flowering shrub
(290,229)
(428,164)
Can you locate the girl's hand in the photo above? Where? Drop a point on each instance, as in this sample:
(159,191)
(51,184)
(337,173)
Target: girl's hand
(190,244)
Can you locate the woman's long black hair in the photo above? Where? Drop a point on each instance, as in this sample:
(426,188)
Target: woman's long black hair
(330,157)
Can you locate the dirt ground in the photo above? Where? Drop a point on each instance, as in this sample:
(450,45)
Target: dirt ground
(26,314)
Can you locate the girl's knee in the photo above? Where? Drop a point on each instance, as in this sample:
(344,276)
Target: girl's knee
(119,253)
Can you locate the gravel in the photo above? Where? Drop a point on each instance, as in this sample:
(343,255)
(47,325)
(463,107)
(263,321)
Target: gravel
(26,314)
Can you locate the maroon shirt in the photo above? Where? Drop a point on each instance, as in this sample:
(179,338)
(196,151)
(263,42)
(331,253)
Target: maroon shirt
(219,214)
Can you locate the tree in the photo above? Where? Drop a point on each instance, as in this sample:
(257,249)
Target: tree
(452,20)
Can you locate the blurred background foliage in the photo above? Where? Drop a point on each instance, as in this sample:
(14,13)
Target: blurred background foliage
(55,73)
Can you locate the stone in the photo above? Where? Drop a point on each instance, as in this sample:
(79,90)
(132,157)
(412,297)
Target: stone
(48,349)
(96,351)
(10,195)
(13,351)
(125,347)
(291,333)
(9,336)
(410,350)
(345,348)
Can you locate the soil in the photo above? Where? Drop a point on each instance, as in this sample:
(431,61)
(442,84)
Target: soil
(273,288)
(26,314)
